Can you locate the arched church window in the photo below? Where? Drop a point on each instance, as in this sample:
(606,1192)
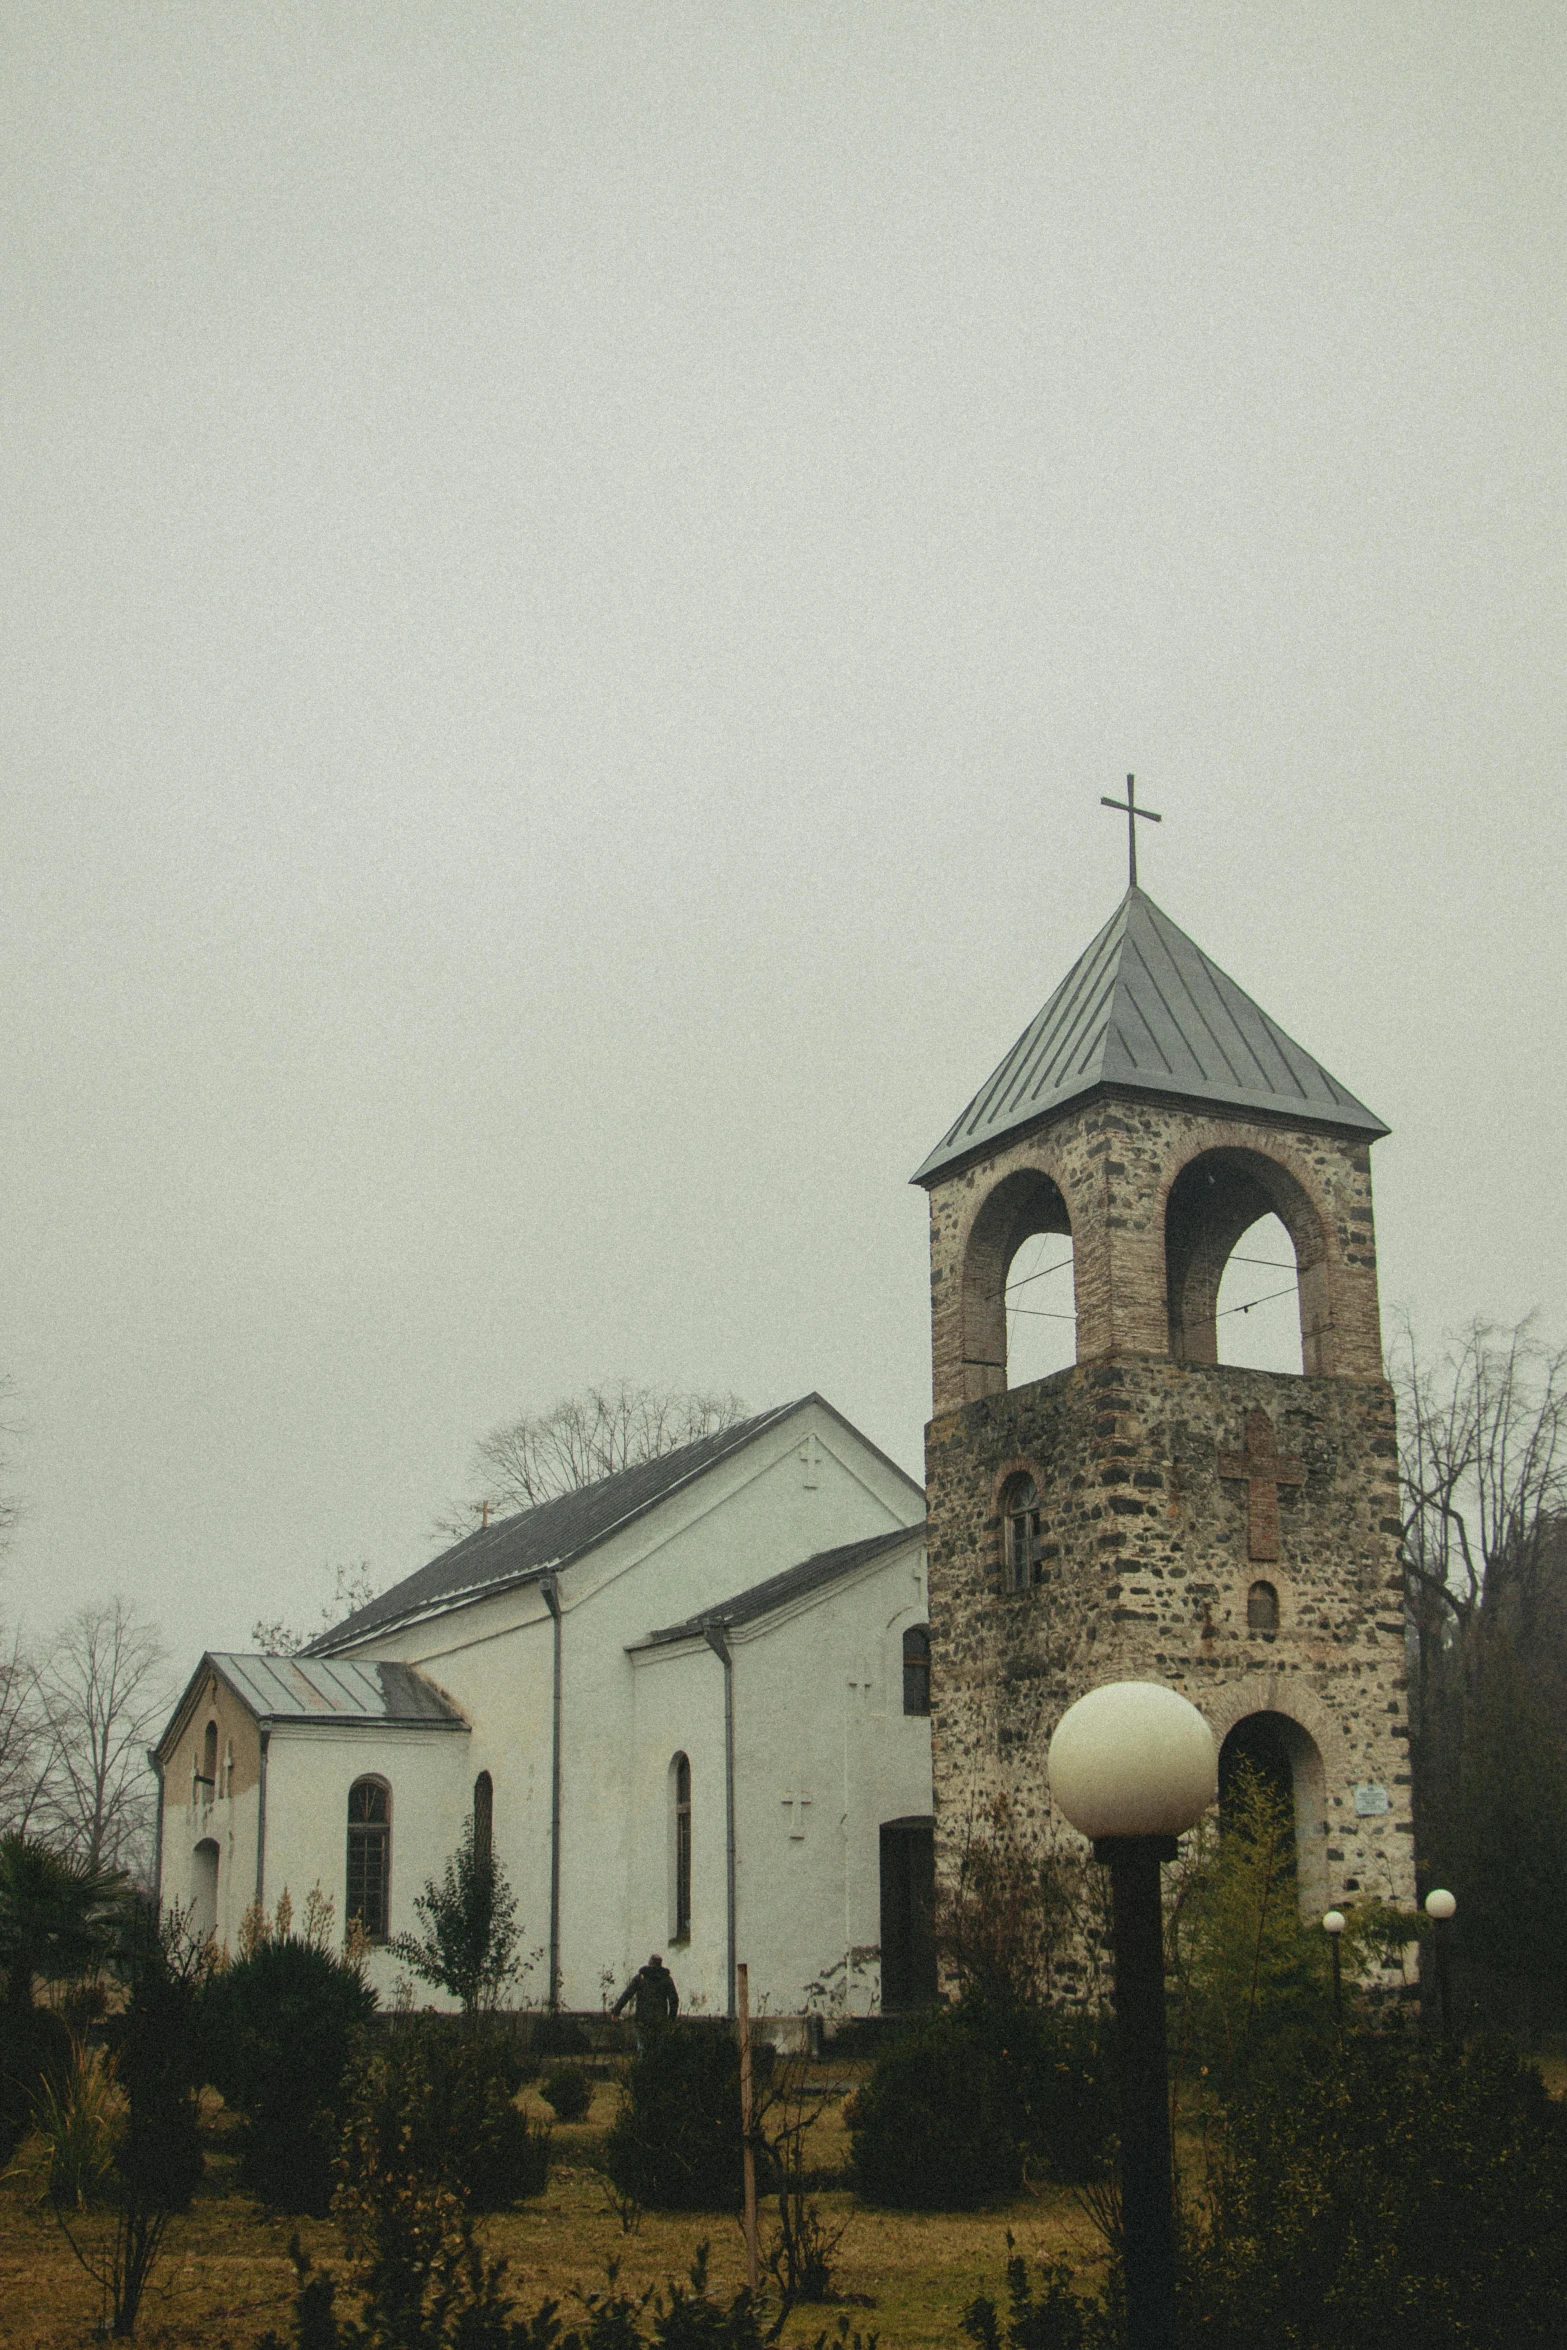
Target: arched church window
(916,1669)
(208,1774)
(680,1848)
(369,1856)
(483,1817)
(1020,1514)
(1262,1608)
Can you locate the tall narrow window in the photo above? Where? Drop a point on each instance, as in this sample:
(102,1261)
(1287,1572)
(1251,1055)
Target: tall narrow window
(483,1816)
(209,1762)
(680,1798)
(1020,1510)
(916,1669)
(369,1855)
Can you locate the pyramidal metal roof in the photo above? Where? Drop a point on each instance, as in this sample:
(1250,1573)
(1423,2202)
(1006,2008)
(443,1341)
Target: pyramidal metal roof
(1144,1007)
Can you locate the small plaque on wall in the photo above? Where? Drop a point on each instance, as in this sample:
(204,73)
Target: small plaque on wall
(1370,1800)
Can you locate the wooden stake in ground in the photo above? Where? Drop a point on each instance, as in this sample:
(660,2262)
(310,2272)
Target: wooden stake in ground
(748,2151)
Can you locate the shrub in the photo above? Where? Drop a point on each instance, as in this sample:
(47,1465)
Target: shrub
(81,2125)
(1251,1972)
(1046,2316)
(1386,2192)
(442,2105)
(469,1916)
(675,2144)
(567,2088)
(157,2149)
(559,2035)
(924,2125)
(969,2097)
(279,2030)
(35,2061)
(456,2300)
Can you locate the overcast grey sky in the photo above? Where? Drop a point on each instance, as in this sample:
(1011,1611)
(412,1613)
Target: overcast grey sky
(573,577)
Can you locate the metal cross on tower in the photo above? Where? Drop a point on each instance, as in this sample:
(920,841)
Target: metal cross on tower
(1131,811)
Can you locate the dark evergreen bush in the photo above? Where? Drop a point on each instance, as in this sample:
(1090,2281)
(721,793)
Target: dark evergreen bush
(567,2088)
(1391,2192)
(675,2144)
(970,2095)
(442,2105)
(559,2035)
(924,2125)
(279,2030)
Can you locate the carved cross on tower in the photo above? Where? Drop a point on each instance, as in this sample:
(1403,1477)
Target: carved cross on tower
(1262,1470)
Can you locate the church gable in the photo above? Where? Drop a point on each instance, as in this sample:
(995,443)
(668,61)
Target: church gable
(776,1488)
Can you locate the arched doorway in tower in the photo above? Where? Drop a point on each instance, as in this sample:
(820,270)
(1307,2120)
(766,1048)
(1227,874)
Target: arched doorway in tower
(1285,1758)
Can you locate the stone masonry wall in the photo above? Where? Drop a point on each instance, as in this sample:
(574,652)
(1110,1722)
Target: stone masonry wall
(1144,1573)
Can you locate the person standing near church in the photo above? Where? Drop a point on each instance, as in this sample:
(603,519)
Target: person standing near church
(652,1997)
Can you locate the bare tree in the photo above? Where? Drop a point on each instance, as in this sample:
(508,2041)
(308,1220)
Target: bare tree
(103,1693)
(539,1455)
(24,1740)
(1483,1463)
(353,1589)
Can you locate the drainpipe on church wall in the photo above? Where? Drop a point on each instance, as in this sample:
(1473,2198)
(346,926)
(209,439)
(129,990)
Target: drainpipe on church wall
(713,1634)
(157,1855)
(261,1819)
(550,1587)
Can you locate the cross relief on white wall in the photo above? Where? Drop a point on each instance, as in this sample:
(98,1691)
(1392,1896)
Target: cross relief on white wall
(797,1802)
(810,1453)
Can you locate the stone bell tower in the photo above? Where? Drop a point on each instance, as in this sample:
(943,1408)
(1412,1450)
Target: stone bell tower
(1151,1513)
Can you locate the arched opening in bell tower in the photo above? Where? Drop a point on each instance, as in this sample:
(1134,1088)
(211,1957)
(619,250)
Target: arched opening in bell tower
(1286,1760)
(1019,1296)
(1245,1265)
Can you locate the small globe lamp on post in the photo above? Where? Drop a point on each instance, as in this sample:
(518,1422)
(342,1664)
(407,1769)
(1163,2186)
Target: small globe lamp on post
(1132,1765)
(1333,1927)
(1440,1906)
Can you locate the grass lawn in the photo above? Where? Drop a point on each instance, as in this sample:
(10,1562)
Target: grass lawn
(226,2275)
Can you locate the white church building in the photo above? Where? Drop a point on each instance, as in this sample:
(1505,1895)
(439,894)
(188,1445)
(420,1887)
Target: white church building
(688,1705)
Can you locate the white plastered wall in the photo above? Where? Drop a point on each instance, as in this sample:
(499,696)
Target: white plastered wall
(311,1767)
(824,1754)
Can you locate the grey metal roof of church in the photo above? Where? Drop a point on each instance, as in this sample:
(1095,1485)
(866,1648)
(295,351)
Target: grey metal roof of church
(521,1548)
(312,1689)
(1143,1007)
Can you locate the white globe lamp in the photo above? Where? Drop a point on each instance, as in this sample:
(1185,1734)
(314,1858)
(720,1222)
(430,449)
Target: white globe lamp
(1133,1759)
(1440,1904)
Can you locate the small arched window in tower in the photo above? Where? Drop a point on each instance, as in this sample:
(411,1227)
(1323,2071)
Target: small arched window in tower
(916,1669)
(208,1774)
(1020,1517)
(680,1849)
(369,1856)
(1262,1608)
(483,1817)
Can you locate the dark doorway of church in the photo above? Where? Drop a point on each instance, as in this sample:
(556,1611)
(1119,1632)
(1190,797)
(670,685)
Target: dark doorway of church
(908,1893)
(1258,1743)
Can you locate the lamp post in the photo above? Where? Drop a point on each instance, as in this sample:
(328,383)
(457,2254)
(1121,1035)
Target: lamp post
(1440,1905)
(1132,1765)
(1333,1926)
